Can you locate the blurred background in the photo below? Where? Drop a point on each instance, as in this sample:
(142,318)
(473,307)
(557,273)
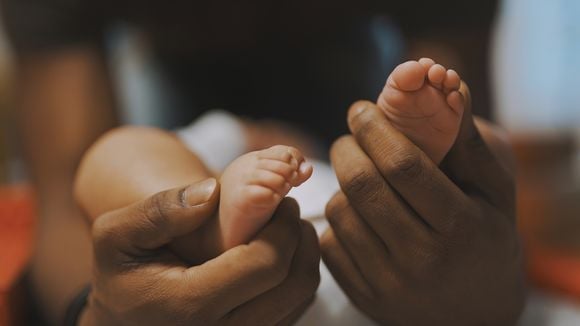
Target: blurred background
(520,57)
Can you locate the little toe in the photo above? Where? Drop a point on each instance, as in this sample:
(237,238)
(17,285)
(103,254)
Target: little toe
(452,81)
(456,102)
(408,76)
(436,75)
(304,173)
(427,63)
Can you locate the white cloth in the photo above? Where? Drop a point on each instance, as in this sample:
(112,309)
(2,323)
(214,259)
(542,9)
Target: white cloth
(217,138)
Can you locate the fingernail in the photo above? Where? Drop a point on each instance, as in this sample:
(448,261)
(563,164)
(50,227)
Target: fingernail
(360,108)
(199,193)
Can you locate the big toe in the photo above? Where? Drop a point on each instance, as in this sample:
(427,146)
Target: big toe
(409,76)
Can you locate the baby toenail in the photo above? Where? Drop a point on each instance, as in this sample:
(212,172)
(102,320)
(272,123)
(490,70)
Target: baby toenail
(304,167)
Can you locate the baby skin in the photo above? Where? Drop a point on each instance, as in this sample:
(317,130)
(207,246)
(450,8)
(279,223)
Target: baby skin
(252,187)
(422,99)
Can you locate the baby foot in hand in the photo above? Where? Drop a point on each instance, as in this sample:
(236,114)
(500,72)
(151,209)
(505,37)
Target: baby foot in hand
(253,185)
(422,100)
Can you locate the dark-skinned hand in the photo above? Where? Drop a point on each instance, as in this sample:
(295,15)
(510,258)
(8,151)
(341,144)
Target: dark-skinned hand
(412,243)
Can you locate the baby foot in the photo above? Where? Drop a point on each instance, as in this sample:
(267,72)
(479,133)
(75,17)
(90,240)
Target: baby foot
(422,100)
(253,185)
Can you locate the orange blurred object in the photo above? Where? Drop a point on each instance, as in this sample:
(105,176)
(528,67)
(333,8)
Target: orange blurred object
(17,223)
(549,212)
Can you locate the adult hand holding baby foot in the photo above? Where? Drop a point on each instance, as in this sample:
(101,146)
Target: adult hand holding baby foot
(138,281)
(407,235)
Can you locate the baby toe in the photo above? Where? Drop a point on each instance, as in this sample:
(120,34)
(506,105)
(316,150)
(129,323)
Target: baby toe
(262,196)
(456,102)
(436,75)
(304,173)
(408,76)
(280,167)
(427,63)
(452,81)
(277,152)
(270,180)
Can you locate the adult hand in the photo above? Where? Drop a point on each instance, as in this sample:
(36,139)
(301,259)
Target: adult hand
(413,244)
(139,282)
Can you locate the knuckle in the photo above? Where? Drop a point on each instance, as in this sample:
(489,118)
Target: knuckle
(103,234)
(270,266)
(156,210)
(459,219)
(277,270)
(405,164)
(360,180)
(431,259)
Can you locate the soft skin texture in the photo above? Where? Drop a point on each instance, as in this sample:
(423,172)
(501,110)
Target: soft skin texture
(412,244)
(253,186)
(454,255)
(138,281)
(422,100)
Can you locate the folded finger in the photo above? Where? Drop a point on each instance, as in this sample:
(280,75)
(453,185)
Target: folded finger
(365,248)
(152,223)
(408,170)
(343,269)
(373,198)
(299,287)
(244,272)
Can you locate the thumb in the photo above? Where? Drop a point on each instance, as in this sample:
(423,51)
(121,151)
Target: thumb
(157,220)
(473,166)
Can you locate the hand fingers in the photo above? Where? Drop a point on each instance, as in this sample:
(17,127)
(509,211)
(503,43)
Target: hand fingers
(297,289)
(474,166)
(246,271)
(373,198)
(154,222)
(365,248)
(407,169)
(343,269)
